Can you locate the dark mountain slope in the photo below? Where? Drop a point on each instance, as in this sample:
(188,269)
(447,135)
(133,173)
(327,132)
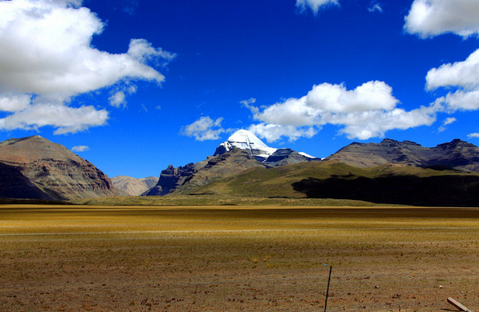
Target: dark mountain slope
(13,184)
(444,190)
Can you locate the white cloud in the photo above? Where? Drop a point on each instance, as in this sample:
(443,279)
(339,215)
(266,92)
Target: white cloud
(446,122)
(449,121)
(459,100)
(369,124)
(463,78)
(274,132)
(248,105)
(367,111)
(375,7)
(464,74)
(80,148)
(118,99)
(429,18)
(14,102)
(65,119)
(204,128)
(473,135)
(143,51)
(47,54)
(314,5)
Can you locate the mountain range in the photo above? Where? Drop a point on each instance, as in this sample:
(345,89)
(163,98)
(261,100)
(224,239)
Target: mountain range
(387,172)
(242,151)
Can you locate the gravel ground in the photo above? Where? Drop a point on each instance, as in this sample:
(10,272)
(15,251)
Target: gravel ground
(378,265)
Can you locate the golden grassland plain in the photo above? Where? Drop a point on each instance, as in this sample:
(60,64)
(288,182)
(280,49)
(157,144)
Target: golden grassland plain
(237,258)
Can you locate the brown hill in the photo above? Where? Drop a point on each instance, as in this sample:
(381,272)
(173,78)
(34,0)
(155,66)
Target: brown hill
(457,154)
(54,169)
(132,186)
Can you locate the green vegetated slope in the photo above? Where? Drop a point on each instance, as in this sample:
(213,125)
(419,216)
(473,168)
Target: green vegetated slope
(273,182)
(325,183)
(387,184)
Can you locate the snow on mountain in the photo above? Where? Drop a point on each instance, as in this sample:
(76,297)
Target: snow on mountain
(306,155)
(247,141)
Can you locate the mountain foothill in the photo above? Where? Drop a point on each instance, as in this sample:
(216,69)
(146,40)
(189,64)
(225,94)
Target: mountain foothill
(389,172)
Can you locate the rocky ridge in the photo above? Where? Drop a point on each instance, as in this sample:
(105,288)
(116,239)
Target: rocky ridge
(457,154)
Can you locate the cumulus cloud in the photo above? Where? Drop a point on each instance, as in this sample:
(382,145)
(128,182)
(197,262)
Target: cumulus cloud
(14,102)
(274,132)
(80,148)
(473,135)
(204,129)
(464,74)
(365,112)
(463,78)
(314,5)
(65,119)
(118,99)
(47,55)
(428,18)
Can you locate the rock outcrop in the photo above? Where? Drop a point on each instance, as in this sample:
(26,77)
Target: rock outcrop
(286,156)
(54,169)
(171,178)
(185,179)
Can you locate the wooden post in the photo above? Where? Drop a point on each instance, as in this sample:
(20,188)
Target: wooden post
(458,305)
(327,291)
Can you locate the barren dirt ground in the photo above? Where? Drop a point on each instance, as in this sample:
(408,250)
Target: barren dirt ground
(72,258)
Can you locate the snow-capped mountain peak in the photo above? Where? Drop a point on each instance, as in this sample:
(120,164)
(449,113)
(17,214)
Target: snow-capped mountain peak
(247,141)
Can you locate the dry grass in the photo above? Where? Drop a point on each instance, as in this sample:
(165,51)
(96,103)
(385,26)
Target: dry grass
(217,258)
(221,200)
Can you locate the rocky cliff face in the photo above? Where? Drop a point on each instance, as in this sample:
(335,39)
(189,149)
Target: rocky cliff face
(54,169)
(172,178)
(184,179)
(457,155)
(134,187)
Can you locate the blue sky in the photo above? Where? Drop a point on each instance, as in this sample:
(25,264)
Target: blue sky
(136,85)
